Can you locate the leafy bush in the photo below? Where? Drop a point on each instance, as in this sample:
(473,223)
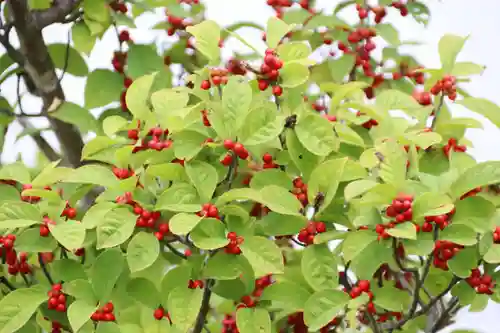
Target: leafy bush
(262,193)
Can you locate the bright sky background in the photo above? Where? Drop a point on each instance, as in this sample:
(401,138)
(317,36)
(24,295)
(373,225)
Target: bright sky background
(461,17)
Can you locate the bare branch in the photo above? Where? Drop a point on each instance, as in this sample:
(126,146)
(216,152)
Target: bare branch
(40,68)
(57,13)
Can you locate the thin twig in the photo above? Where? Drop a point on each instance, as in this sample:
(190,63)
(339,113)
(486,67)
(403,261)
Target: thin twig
(45,270)
(437,110)
(66,56)
(6,282)
(205,306)
(174,250)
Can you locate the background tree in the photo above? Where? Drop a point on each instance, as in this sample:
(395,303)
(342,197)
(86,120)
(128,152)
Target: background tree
(282,193)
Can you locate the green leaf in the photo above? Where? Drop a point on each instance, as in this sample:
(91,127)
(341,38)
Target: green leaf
(484,107)
(79,313)
(301,157)
(224,266)
(347,89)
(319,267)
(356,242)
(168,100)
(341,67)
(144,292)
(142,60)
(80,289)
(276,30)
(262,124)
(254,320)
(275,224)
(68,270)
(431,204)
(279,200)
(264,256)
(105,272)
(15,171)
(325,180)
(30,241)
(137,97)
(475,212)
(70,234)
(293,74)
(239,194)
(316,134)
(404,230)
(357,188)
(271,177)
(293,51)
(236,101)
(92,174)
(115,228)
(322,306)
(388,33)
(492,256)
(68,59)
(464,292)
(279,293)
(394,100)
(204,177)
(182,223)
(367,263)
(102,87)
(209,234)
(481,174)
(188,144)
(176,277)
(82,38)
(183,306)
(74,114)
(180,197)
(207,34)
(391,298)
(449,47)
(460,234)
(467,68)
(142,251)
(463,262)
(18,306)
(96,10)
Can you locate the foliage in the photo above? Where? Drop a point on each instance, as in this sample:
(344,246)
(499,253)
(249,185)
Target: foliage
(262,193)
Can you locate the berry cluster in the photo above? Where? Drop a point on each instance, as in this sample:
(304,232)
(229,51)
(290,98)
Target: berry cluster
(268,162)
(363,286)
(217,76)
(369,123)
(414,74)
(496,235)
(250,301)
(229,324)
(362,12)
(403,10)
(118,6)
(156,139)
(69,212)
(472,193)
(306,235)
(176,23)
(423,98)
(482,283)
(56,327)
(7,251)
(441,221)
(258,210)
(122,173)
(193,284)
(124,36)
(237,148)
(31,199)
(234,243)
(401,208)
(300,191)
(296,322)
(44,227)
(444,251)
(447,86)
(160,313)
(380,13)
(453,146)
(236,67)
(269,72)
(209,210)
(105,313)
(57,299)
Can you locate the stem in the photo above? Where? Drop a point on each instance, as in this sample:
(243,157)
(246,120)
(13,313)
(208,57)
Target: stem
(444,316)
(205,306)
(45,270)
(174,250)
(6,282)
(437,109)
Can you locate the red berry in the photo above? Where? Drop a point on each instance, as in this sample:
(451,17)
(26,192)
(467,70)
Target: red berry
(277,91)
(205,85)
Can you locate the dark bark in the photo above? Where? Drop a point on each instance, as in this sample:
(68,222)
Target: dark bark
(38,64)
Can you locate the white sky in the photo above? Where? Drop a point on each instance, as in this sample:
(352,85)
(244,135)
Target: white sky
(461,17)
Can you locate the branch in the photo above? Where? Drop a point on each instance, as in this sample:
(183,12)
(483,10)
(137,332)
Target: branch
(42,144)
(437,109)
(57,13)
(438,325)
(6,282)
(174,250)
(44,269)
(205,306)
(40,68)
